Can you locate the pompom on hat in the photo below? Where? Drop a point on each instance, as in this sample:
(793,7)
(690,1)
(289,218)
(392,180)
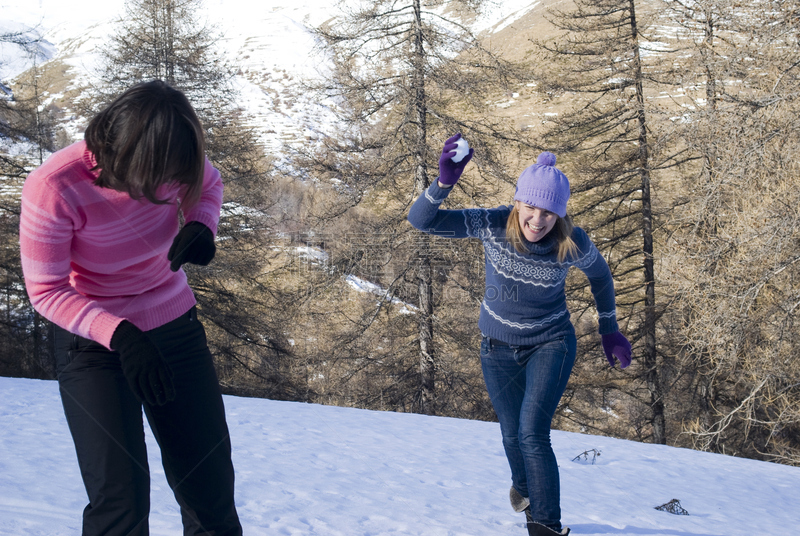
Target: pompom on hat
(543,185)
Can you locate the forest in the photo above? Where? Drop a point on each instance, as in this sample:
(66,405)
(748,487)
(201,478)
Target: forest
(676,121)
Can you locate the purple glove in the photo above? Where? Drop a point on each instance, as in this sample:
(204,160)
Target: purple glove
(615,344)
(449,171)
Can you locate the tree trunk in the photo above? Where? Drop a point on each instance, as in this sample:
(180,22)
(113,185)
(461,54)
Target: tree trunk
(427,355)
(427,362)
(652,373)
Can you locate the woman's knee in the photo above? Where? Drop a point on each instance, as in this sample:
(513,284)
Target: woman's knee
(534,437)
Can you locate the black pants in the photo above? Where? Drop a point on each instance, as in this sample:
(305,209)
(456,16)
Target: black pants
(105,420)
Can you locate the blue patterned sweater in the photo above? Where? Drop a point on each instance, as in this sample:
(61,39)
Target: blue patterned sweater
(524,303)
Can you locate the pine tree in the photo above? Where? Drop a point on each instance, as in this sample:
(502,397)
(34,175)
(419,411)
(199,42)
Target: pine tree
(162,39)
(596,71)
(29,123)
(736,287)
(404,77)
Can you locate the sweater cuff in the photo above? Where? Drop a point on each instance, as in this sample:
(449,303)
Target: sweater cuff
(103,327)
(206,219)
(436,194)
(608,323)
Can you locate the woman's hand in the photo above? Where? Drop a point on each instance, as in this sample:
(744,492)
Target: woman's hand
(449,171)
(194,243)
(144,367)
(616,345)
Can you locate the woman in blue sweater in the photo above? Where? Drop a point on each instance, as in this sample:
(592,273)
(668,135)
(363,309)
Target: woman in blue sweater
(529,345)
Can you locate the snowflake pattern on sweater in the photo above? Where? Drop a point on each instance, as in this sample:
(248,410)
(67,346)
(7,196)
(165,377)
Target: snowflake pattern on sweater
(524,302)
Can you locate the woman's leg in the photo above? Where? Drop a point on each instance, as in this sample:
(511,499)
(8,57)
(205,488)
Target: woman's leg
(105,421)
(505,383)
(547,370)
(192,431)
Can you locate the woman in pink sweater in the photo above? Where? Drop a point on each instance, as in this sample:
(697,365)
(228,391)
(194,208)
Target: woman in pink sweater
(101,254)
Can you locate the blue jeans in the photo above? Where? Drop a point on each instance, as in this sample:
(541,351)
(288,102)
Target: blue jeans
(525,385)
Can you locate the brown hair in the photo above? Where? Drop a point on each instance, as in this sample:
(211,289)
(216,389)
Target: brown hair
(563,229)
(149,136)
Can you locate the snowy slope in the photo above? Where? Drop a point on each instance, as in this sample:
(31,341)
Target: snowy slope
(268,41)
(305,469)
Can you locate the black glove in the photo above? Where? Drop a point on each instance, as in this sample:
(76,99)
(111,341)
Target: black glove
(147,373)
(194,243)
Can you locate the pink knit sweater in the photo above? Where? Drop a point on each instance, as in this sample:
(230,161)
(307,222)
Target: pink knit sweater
(93,256)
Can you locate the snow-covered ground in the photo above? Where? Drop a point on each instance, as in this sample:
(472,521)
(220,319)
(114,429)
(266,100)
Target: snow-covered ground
(305,469)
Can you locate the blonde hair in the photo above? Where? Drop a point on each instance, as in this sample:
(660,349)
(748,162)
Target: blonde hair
(563,229)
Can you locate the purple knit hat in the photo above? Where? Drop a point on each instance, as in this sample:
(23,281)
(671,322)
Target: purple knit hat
(543,185)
